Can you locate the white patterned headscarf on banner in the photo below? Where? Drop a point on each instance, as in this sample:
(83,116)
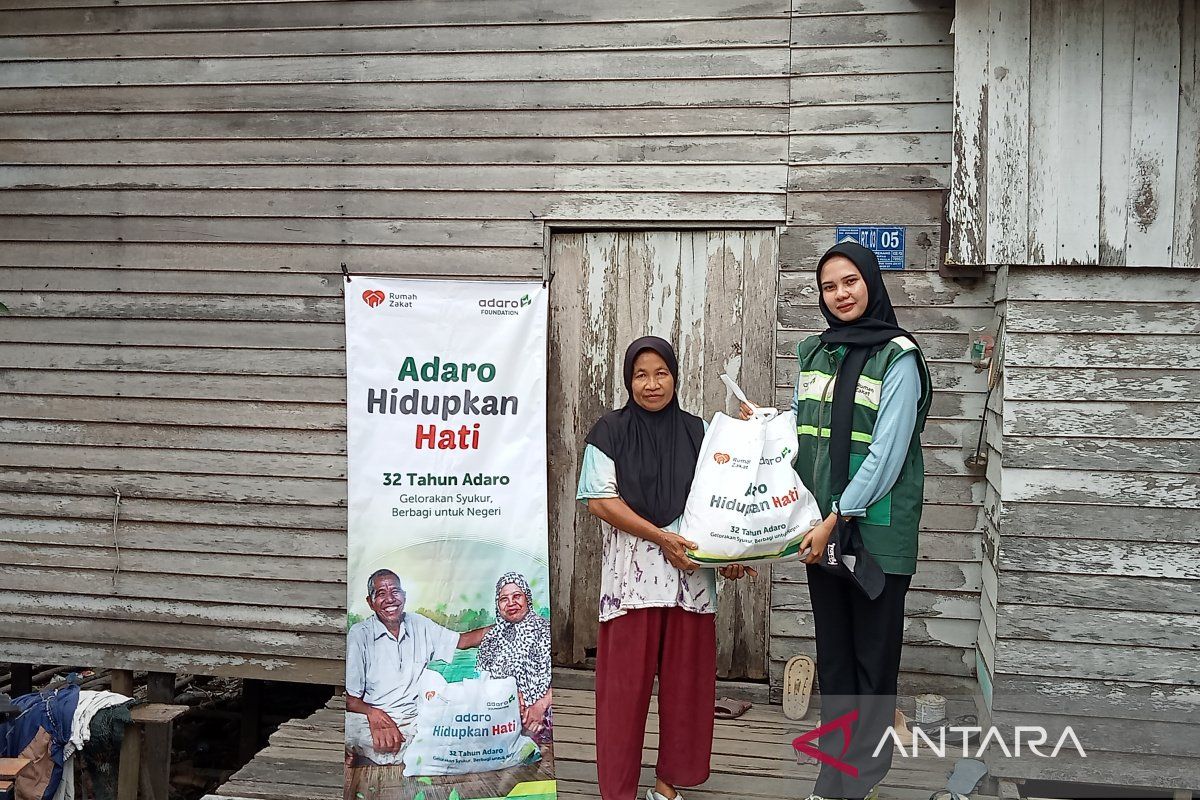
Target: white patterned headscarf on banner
(519,649)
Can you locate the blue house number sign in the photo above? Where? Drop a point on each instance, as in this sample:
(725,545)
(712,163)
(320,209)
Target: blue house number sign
(886,240)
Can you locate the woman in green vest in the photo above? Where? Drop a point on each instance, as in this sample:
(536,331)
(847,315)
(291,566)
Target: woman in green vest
(862,395)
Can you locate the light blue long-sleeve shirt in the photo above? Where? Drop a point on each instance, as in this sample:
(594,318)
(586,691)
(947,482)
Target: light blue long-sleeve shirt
(894,424)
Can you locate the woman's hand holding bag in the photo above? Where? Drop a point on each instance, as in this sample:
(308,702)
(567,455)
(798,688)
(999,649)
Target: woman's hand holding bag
(735,572)
(817,538)
(675,548)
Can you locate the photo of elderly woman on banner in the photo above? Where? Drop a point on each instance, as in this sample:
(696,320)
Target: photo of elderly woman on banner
(448,608)
(518,646)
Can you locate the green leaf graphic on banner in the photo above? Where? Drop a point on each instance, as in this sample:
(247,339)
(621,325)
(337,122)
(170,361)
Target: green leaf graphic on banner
(425,781)
(530,753)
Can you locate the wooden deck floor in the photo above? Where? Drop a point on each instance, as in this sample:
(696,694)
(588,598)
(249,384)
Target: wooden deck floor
(752,757)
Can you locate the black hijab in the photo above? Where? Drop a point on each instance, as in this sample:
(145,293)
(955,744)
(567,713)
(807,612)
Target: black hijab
(863,338)
(655,452)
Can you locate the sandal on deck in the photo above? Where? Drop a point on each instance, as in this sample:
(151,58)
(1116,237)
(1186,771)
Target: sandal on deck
(904,734)
(966,776)
(797,686)
(728,708)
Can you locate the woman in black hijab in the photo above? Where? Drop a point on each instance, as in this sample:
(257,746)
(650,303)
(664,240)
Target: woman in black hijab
(862,395)
(657,606)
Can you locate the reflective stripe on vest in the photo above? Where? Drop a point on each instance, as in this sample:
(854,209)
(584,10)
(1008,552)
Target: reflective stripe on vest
(824,433)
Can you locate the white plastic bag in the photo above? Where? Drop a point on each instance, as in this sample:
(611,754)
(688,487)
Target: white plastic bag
(465,727)
(747,503)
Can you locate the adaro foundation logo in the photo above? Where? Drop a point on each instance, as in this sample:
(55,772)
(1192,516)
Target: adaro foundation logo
(721,458)
(373,297)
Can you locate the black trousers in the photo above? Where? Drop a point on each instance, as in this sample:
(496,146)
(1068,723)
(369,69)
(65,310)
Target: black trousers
(858,662)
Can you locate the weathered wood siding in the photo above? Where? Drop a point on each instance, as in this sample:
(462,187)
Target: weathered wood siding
(1077,133)
(1097,619)
(871,116)
(182,183)
(1076,147)
(991,446)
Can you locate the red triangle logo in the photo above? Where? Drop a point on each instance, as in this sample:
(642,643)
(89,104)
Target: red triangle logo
(806,743)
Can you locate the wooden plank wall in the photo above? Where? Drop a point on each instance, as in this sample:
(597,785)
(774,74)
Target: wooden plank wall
(1098,604)
(871,144)
(1077,133)
(991,445)
(182,182)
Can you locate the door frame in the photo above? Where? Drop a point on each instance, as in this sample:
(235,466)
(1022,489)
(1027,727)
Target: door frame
(556,227)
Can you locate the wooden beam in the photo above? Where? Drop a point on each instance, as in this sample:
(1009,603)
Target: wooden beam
(20,679)
(122,682)
(251,718)
(161,687)
(131,758)
(968,181)
(156,766)
(1006,204)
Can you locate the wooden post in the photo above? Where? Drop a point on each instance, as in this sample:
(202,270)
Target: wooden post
(1009,790)
(251,717)
(160,687)
(130,764)
(156,749)
(131,745)
(21,679)
(122,682)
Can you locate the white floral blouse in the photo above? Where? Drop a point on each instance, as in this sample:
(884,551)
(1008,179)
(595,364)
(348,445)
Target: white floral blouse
(634,572)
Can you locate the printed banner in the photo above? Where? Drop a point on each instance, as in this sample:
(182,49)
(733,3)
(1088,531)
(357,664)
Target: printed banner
(448,628)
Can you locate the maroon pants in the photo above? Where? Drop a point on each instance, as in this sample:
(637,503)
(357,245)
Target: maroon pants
(681,648)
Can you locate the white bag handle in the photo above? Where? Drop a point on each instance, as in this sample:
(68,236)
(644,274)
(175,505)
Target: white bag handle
(759,413)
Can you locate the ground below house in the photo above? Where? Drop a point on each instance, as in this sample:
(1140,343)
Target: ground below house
(206,745)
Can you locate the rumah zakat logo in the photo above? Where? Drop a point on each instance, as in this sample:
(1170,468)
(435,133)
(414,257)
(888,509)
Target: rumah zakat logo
(721,458)
(373,297)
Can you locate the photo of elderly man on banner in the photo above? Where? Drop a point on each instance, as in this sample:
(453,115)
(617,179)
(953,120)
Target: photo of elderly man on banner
(448,629)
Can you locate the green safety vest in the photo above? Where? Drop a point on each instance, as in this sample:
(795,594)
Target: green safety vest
(889,529)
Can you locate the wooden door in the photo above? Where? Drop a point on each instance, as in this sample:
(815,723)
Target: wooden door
(710,293)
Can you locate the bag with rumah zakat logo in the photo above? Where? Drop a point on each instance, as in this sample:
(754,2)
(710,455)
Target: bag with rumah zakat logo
(846,556)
